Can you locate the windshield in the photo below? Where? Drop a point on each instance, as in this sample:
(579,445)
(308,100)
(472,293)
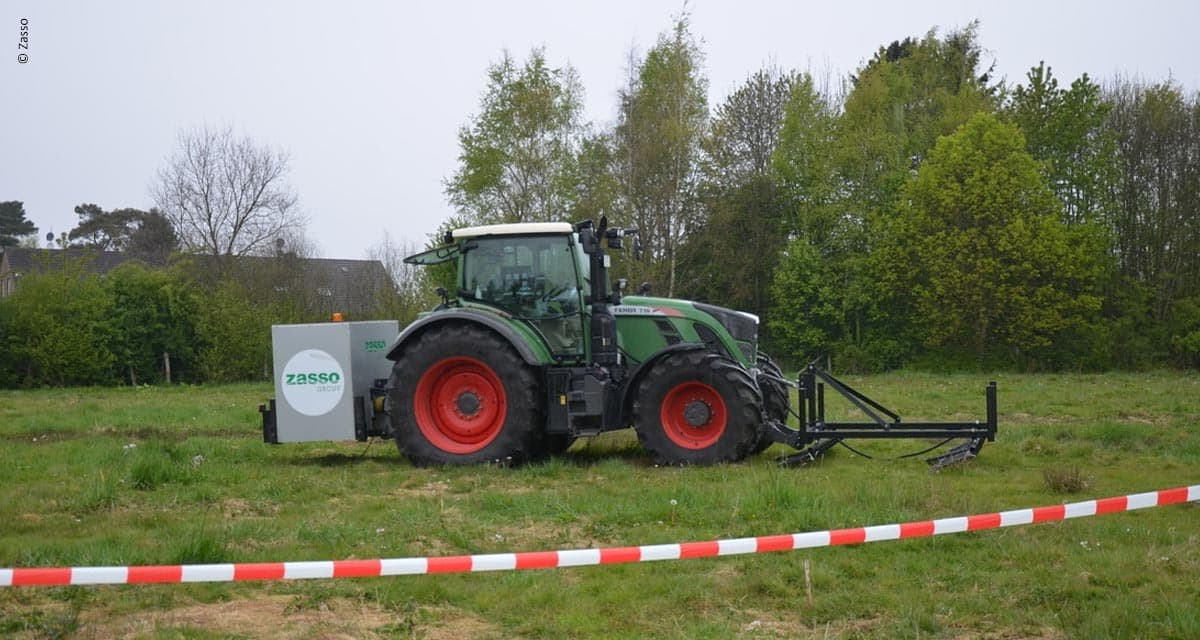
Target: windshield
(532,277)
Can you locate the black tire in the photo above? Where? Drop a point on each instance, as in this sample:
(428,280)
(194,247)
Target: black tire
(460,394)
(697,407)
(776,400)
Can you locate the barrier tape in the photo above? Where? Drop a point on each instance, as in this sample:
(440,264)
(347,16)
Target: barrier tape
(22,577)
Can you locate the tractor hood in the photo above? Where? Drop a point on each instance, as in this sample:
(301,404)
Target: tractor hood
(742,327)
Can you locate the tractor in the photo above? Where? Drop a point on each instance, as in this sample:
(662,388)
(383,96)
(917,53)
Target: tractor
(534,349)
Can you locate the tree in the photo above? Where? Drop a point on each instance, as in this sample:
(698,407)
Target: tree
(152,317)
(823,291)
(1156,129)
(733,252)
(597,190)
(1064,129)
(978,253)
(234,335)
(55,329)
(146,234)
(13,225)
(842,173)
(663,114)
(103,230)
(412,292)
(516,158)
(154,239)
(226,196)
(907,96)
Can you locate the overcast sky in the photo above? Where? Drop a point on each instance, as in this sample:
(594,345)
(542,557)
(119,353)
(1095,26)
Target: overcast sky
(367,97)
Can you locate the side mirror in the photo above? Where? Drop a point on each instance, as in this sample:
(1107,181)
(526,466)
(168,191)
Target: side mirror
(587,238)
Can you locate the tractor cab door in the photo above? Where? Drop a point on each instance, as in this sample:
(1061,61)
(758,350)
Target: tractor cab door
(534,278)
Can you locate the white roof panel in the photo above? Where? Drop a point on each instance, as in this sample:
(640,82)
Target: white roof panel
(522,228)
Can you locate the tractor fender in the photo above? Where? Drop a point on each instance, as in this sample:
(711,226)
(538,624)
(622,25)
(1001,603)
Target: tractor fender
(461,316)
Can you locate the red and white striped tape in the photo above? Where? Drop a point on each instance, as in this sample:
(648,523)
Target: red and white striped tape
(583,557)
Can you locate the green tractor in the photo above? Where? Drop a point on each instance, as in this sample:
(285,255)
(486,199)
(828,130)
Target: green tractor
(535,349)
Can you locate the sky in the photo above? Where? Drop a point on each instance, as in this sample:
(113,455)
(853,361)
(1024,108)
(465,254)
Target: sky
(367,98)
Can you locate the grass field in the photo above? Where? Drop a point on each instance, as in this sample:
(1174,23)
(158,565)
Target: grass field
(180,475)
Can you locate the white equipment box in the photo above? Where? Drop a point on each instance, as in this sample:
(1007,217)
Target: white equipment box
(326,378)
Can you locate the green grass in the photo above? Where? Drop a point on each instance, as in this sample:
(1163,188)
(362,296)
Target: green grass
(180,475)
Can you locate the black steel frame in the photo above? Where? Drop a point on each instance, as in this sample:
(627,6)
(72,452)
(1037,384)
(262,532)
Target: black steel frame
(884,423)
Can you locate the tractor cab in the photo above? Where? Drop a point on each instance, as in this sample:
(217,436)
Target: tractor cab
(536,274)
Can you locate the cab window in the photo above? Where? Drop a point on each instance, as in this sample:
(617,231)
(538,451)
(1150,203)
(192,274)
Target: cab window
(533,277)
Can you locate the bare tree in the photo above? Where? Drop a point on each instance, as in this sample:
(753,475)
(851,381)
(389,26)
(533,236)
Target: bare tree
(227,196)
(413,287)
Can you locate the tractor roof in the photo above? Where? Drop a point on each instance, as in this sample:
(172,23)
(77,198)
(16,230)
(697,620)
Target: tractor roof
(522,228)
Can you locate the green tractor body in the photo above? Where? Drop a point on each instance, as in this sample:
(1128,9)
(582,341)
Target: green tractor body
(534,350)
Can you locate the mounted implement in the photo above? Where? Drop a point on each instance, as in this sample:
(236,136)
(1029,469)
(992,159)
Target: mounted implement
(815,435)
(534,349)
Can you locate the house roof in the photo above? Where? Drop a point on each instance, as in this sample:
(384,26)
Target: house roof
(21,260)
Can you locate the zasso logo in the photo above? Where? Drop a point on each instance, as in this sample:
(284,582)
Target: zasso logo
(313,382)
(326,377)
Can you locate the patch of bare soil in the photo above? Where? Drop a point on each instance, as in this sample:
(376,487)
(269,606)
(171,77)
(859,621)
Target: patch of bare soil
(275,616)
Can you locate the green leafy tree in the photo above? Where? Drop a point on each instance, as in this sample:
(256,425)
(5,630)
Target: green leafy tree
(13,224)
(597,190)
(516,158)
(662,118)
(979,254)
(806,319)
(234,335)
(152,314)
(818,301)
(732,254)
(802,163)
(841,165)
(1156,232)
(55,329)
(900,102)
(1064,129)
(103,230)
(145,234)
(154,239)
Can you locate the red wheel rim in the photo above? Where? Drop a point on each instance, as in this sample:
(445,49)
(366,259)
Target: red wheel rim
(693,415)
(460,405)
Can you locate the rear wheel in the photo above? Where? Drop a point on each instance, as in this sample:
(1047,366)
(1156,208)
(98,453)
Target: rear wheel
(461,395)
(776,401)
(696,407)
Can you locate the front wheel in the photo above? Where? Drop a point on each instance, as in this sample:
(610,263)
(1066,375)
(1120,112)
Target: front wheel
(462,395)
(696,407)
